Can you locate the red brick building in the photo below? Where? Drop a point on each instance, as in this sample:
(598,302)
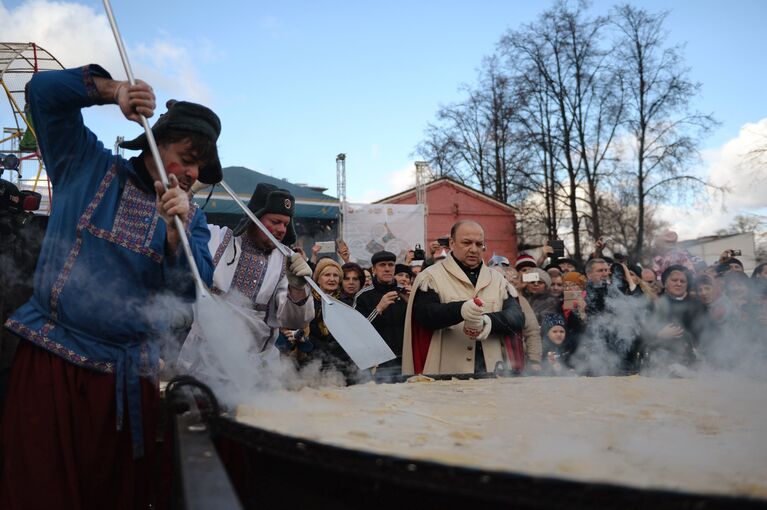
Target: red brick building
(448,201)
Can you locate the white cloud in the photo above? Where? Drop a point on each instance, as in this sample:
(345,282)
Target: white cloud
(78,34)
(734,167)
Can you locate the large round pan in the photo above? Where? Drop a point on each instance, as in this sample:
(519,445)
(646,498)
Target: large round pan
(272,470)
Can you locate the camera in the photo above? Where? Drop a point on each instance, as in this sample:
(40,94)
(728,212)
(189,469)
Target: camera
(419,253)
(444,241)
(736,253)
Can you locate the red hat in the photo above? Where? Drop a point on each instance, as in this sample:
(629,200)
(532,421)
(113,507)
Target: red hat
(525,260)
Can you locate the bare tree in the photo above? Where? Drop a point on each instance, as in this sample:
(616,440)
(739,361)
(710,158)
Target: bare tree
(664,131)
(573,110)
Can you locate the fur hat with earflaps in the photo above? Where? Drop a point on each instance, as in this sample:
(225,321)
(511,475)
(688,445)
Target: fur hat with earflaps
(268,198)
(186,116)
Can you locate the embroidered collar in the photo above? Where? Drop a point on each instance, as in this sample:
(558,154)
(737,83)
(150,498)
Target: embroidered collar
(248,246)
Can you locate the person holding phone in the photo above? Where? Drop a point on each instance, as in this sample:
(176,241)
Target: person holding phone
(384,303)
(537,293)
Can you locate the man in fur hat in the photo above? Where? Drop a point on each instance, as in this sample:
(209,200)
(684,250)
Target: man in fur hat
(268,287)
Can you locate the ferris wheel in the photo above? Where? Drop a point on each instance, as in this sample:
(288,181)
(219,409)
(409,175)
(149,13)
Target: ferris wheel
(18,141)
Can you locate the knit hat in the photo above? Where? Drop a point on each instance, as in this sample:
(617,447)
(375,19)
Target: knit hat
(325,265)
(186,116)
(268,198)
(635,268)
(543,275)
(403,268)
(677,267)
(550,320)
(575,277)
(573,262)
(498,260)
(525,260)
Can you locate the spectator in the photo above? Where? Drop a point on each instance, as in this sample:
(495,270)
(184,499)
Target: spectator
(760,272)
(715,310)
(706,290)
(672,332)
(537,294)
(567,265)
(651,282)
(444,297)
(558,345)
(668,253)
(525,263)
(403,275)
(352,281)
(573,280)
(368,277)
(514,278)
(597,272)
(385,305)
(727,265)
(416,266)
(498,261)
(327,350)
(557,284)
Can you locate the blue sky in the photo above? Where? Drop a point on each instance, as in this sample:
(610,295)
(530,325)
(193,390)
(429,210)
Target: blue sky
(295,83)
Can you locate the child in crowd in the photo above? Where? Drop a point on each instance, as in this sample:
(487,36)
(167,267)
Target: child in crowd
(558,346)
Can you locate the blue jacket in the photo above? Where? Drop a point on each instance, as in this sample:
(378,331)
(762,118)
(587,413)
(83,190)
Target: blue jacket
(103,269)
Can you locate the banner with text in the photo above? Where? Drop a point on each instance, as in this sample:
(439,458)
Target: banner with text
(369,228)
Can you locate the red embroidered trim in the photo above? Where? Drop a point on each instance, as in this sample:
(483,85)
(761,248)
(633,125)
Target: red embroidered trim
(41,339)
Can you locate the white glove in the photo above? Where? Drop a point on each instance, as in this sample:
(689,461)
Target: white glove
(297,269)
(487,326)
(471,312)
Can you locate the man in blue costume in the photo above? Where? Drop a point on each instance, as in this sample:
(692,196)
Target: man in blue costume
(78,427)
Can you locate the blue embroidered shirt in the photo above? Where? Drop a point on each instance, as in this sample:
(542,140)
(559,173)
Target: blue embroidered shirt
(103,267)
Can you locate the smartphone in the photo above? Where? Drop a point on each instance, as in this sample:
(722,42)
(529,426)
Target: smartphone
(559,248)
(327,246)
(572,299)
(444,241)
(530,277)
(572,295)
(736,253)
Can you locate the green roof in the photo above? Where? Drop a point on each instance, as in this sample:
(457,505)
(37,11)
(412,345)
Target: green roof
(309,203)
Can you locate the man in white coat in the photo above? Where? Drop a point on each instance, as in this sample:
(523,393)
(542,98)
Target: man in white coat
(257,280)
(461,315)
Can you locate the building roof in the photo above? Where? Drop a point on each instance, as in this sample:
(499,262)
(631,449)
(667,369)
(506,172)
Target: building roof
(310,203)
(708,239)
(449,180)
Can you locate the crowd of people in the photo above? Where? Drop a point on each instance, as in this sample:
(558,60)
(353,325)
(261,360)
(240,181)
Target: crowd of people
(610,316)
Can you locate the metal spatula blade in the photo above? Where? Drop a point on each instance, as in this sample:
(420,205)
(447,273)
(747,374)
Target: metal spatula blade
(355,334)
